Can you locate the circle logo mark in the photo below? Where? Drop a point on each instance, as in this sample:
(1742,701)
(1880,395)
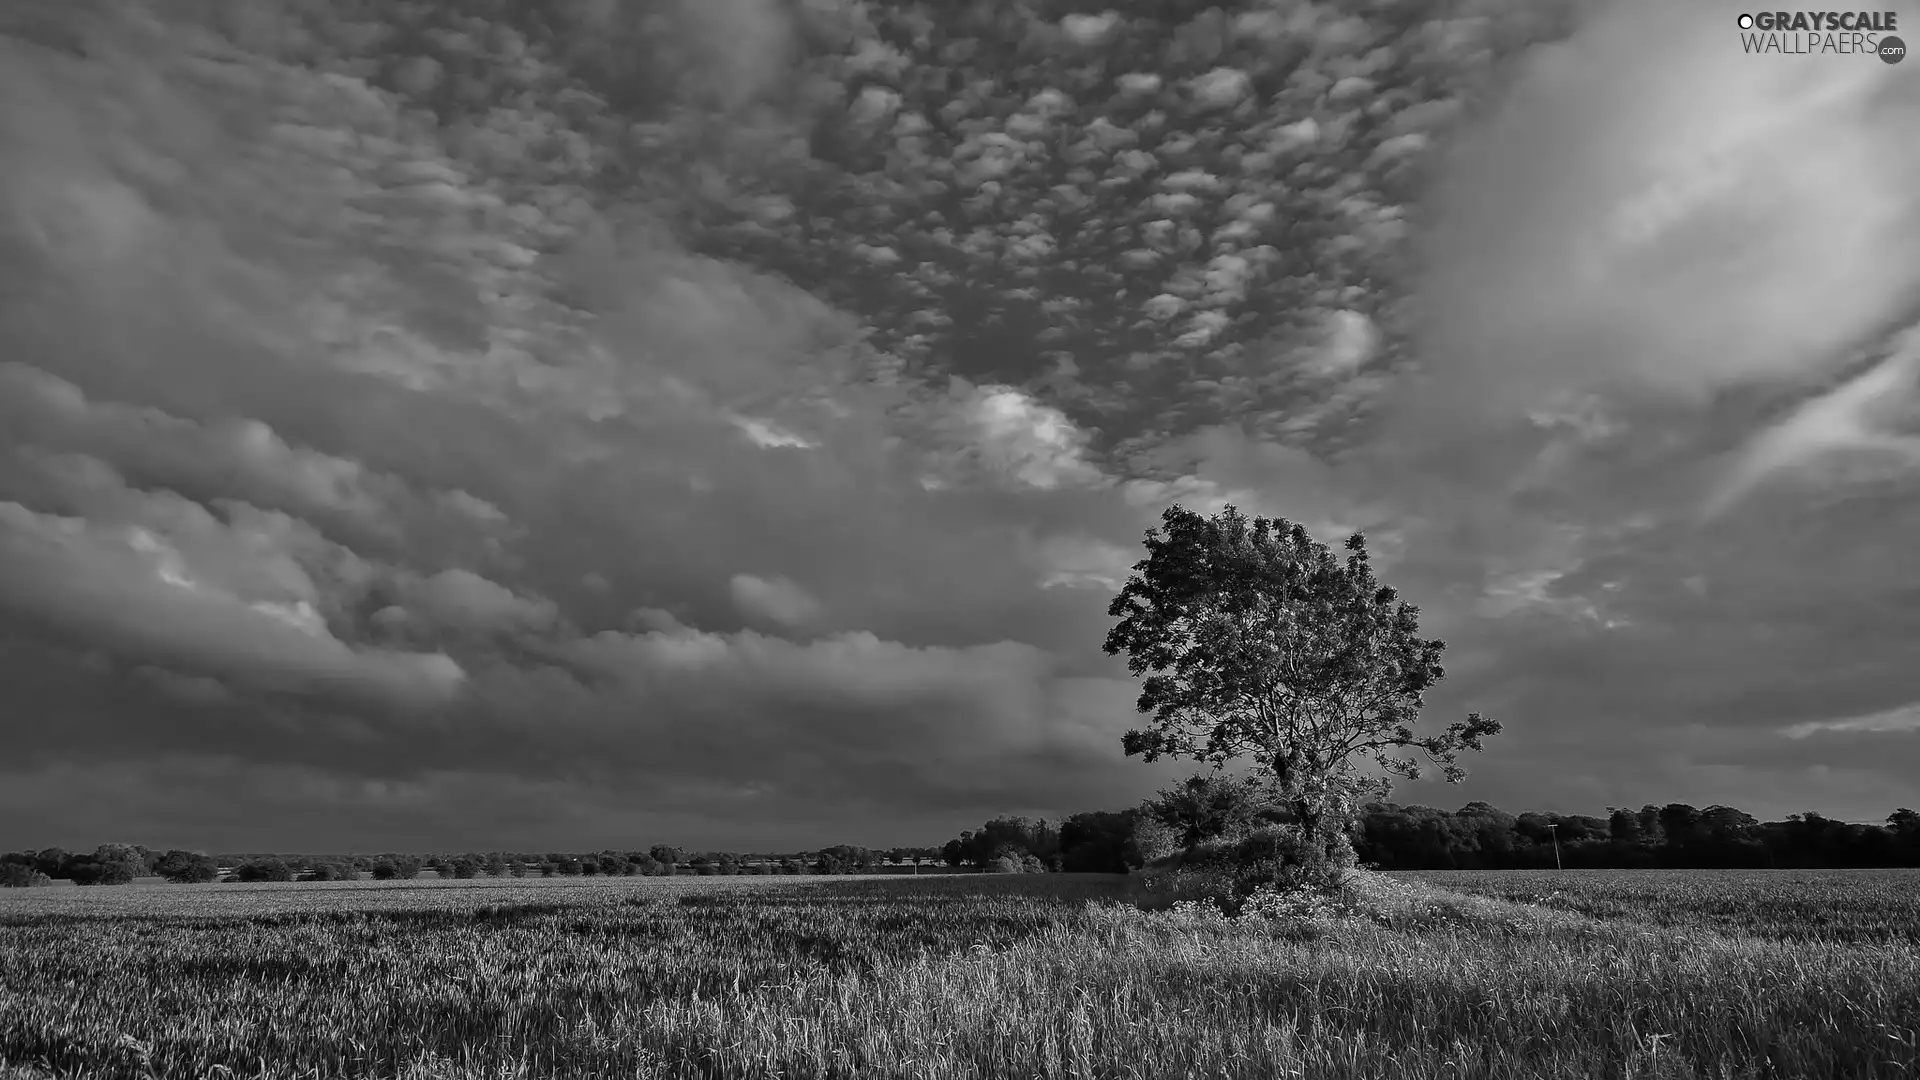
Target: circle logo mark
(1892,50)
(1746,22)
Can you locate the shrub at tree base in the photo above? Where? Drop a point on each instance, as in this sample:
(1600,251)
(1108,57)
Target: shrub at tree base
(1227,870)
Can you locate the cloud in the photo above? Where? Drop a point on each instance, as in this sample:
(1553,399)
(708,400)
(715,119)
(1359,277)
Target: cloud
(1009,436)
(776,599)
(235,457)
(1900,718)
(356,429)
(461,600)
(140,593)
(1850,420)
(1664,217)
(1085,562)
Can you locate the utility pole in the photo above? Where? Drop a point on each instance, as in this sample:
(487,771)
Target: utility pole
(1553,830)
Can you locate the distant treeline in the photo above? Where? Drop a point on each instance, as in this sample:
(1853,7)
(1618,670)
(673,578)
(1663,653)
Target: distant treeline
(1385,835)
(1478,836)
(118,864)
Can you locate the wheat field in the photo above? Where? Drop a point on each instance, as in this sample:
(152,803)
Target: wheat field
(939,977)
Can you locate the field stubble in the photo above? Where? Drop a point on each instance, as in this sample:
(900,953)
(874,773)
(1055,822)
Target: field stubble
(1016,976)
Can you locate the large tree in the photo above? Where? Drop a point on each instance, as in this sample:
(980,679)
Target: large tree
(1254,640)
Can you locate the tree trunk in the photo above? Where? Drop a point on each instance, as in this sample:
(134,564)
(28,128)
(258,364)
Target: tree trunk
(1309,817)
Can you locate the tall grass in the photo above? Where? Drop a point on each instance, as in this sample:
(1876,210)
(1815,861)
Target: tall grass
(1031,976)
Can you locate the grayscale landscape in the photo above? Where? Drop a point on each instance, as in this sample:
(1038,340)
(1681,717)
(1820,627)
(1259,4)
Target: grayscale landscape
(891,538)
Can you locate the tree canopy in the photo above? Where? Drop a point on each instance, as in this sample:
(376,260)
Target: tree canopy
(1254,640)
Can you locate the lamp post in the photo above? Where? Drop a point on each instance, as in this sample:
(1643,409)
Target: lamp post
(1553,830)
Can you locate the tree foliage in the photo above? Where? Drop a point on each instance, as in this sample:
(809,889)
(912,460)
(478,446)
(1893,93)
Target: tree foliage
(187,867)
(1254,640)
(110,864)
(263,870)
(21,875)
(1206,806)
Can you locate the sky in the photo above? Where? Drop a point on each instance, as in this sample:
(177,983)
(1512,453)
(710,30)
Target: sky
(600,423)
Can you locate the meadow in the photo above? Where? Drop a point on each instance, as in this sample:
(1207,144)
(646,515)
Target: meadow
(955,976)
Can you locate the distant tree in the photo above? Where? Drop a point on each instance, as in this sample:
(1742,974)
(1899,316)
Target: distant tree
(1623,826)
(1653,833)
(517,868)
(187,867)
(110,864)
(21,875)
(1680,825)
(84,870)
(464,866)
(331,870)
(1396,837)
(666,854)
(571,867)
(1148,840)
(1096,842)
(263,870)
(1903,826)
(977,848)
(496,865)
(1254,640)
(51,861)
(1493,832)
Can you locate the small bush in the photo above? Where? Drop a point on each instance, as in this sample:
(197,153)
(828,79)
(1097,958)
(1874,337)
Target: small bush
(1160,886)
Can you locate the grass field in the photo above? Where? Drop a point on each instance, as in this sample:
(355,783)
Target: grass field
(965,976)
(1797,905)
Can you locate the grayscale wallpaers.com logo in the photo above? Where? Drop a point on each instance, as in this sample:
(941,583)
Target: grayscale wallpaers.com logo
(1806,33)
